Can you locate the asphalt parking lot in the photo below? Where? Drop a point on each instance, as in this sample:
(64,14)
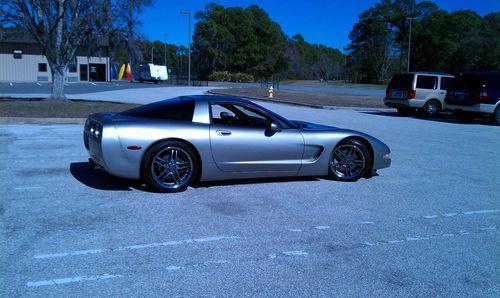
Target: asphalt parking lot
(427,226)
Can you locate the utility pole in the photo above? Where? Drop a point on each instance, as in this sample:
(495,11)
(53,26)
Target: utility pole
(165,43)
(409,45)
(189,44)
(152,53)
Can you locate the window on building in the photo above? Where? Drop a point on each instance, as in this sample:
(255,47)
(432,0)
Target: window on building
(72,67)
(42,67)
(18,54)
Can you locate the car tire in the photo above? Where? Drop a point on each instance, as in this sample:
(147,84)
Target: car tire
(431,108)
(496,116)
(404,111)
(349,161)
(464,117)
(170,166)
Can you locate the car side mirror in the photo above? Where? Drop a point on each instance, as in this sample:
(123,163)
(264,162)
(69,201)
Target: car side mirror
(275,127)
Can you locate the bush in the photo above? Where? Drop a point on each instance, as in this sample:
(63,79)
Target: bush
(226,76)
(220,76)
(241,77)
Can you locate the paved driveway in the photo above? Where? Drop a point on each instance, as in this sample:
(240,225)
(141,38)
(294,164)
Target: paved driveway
(427,226)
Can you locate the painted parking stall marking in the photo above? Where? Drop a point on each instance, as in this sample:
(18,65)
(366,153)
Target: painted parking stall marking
(66,280)
(133,247)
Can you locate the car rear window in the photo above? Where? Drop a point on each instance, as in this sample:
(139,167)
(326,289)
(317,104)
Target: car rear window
(426,82)
(171,109)
(401,81)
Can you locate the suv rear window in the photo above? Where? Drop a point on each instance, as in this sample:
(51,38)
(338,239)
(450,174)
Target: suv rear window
(401,81)
(171,109)
(426,82)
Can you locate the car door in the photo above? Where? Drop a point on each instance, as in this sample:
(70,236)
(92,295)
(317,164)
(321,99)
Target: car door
(242,141)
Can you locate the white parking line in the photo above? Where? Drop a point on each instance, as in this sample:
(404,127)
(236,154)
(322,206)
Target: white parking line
(295,253)
(451,214)
(133,247)
(207,263)
(39,84)
(295,230)
(322,227)
(66,280)
(28,187)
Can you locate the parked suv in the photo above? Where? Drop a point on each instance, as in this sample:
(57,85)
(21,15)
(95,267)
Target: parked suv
(424,91)
(473,94)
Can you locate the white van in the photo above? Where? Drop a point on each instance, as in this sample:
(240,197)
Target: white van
(152,73)
(424,91)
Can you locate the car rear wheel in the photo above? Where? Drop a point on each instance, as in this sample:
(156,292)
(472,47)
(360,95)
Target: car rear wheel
(170,166)
(431,108)
(349,161)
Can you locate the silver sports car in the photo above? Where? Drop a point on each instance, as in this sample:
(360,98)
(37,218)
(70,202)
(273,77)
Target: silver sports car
(172,143)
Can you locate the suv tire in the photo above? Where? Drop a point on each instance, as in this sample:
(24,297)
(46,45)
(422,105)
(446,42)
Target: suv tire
(431,108)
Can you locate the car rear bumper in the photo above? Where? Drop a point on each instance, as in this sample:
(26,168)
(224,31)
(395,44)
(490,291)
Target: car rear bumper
(404,103)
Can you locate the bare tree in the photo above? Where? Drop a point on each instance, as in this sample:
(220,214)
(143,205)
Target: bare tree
(59,27)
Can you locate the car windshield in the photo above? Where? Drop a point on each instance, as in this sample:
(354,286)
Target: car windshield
(401,81)
(282,119)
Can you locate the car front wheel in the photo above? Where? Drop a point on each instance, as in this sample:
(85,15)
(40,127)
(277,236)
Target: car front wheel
(170,166)
(349,161)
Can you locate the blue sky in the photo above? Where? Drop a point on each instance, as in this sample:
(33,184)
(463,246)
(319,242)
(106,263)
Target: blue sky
(319,21)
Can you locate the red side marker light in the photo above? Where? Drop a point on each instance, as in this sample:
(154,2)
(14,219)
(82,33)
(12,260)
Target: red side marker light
(134,147)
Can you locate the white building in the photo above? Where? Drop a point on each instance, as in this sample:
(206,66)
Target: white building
(22,61)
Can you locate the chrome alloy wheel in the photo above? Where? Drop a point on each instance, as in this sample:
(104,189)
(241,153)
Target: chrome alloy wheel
(348,161)
(172,167)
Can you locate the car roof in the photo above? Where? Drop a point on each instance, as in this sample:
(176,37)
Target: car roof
(211,98)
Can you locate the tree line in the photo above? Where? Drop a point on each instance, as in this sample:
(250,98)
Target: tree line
(440,41)
(246,40)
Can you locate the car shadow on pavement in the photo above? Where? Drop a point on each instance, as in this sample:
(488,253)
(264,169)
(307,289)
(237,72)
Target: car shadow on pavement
(85,173)
(252,181)
(442,117)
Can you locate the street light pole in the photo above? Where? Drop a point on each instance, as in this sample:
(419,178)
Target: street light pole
(165,43)
(189,44)
(152,55)
(409,45)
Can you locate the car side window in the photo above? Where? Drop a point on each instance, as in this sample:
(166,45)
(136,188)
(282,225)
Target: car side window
(239,115)
(445,83)
(426,82)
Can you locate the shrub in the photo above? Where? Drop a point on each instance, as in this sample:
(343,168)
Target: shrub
(226,76)
(220,76)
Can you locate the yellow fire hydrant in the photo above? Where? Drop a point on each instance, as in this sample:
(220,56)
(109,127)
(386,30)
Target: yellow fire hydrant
(271,91)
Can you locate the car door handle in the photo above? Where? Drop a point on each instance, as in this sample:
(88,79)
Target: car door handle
(223,132)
